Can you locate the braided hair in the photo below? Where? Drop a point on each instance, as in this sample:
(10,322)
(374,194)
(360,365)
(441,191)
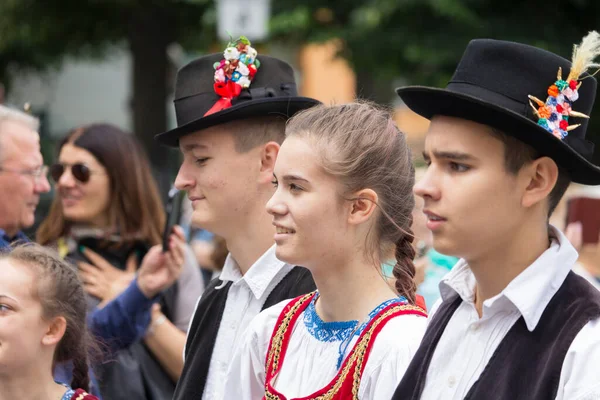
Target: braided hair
(404,270)
(61,294)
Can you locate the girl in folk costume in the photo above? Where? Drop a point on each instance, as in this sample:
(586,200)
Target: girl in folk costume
(42,322)
(344,197)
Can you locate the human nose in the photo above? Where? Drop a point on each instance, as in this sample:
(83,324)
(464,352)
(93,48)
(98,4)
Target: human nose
(427,187)
(42,185)
(66,180)
(184,179)
(275,205)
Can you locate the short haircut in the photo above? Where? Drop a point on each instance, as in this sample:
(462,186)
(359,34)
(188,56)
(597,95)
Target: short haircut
(252,132)
(14,115)
(517,154)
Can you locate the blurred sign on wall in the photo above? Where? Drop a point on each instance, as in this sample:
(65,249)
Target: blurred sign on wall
(243,17)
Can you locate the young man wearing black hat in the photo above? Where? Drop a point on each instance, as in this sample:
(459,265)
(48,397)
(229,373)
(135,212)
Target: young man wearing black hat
(231,111)
(514,321)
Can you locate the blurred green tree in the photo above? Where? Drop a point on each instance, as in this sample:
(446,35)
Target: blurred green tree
(388,42)
(39,34)
(394,42)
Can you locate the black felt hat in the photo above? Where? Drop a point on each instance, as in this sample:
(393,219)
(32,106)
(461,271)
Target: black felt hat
(272,92)
(492,85)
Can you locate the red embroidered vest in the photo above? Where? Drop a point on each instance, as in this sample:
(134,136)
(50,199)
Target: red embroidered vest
(346,383)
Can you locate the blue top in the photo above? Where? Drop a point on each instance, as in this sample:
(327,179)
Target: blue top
(123,320)
(118,324)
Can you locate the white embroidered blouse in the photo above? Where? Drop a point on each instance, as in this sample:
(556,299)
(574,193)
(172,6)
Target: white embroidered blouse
(313,356)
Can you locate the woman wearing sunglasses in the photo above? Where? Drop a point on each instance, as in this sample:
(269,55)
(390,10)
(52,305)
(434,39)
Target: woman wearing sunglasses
(106,214)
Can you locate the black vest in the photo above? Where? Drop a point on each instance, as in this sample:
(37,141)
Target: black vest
(526,365)
(205,326)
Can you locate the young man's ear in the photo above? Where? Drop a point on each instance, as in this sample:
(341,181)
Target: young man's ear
(541,175)
(268,156)
(362,206)
(55,332)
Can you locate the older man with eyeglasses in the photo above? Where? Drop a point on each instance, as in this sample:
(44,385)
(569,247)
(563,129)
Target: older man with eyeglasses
(22,173)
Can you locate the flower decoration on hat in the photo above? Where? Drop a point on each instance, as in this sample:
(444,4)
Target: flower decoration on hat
(234,73)
(553,114)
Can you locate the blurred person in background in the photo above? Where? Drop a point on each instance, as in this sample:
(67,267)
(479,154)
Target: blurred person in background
(22,173)
(106,215)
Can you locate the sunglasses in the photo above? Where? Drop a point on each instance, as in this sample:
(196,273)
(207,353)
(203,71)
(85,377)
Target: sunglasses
(80,171)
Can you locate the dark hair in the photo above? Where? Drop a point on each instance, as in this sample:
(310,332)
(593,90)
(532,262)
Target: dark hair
(360,145)
(61,294)
(136,211)
(517,154)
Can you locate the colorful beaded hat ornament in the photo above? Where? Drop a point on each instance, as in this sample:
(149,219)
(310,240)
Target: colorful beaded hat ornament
(234,73)
(555,112)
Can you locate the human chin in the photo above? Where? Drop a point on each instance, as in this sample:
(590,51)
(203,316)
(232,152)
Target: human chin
(28,219)
(288,254)
(203,218)
(75,214)
(446,244)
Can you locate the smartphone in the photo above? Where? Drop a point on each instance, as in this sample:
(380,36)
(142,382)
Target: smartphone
(172,209)
(587,211)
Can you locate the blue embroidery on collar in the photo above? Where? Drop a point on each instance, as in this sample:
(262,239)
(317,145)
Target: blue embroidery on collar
(326,331)
(339,331)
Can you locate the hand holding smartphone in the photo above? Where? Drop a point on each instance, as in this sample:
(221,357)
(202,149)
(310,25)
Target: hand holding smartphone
(172,210)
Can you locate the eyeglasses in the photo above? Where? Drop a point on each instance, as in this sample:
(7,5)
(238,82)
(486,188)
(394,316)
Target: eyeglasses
(37,173)
(80,171)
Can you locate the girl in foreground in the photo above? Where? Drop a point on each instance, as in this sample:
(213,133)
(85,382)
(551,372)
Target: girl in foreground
(42,322)
(344,198)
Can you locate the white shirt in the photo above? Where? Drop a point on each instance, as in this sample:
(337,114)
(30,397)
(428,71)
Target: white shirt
(245,299)
(468,341)
(312,357)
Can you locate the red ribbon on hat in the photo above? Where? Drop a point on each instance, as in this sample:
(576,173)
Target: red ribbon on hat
(228,91)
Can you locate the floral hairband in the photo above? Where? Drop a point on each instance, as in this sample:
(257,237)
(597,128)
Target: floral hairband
(234,73)
(553,114)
